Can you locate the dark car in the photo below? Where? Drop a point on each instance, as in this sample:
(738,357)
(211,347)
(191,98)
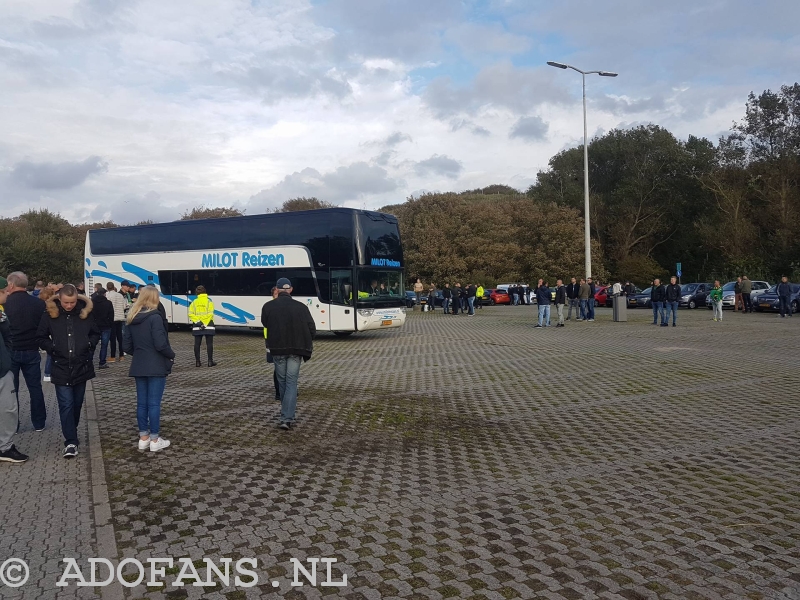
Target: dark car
(694,294)
(610,298)
(499,296)
(768,301)
(438,301)
(411,299)
(641,300)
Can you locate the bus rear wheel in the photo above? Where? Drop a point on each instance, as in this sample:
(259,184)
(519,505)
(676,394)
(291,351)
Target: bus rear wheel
(342,333)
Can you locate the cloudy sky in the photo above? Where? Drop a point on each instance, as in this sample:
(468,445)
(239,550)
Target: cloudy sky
(137,109)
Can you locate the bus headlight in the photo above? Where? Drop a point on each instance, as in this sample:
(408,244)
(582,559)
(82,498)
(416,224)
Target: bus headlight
(366,312)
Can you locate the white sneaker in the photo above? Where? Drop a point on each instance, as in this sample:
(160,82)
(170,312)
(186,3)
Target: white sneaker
(144,444)
(46,378)
(159,444)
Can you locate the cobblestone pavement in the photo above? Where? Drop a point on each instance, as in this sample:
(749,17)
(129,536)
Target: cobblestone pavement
(478,457)
(46,504)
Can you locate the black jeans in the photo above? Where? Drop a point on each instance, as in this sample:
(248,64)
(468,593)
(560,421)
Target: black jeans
(116,339)
(30,363)
(70,401)
(748,302)
(786,306)
(198,339)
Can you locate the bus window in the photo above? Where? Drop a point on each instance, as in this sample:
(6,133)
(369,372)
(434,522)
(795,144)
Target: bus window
(376,285)
(341,286)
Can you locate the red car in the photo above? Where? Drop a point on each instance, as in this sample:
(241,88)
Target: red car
(499,297)
(601,294)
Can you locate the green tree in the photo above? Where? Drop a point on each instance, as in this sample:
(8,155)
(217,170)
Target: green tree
(303,203)
(203,212)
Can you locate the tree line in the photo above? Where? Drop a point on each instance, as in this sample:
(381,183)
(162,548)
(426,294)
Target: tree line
(721,210)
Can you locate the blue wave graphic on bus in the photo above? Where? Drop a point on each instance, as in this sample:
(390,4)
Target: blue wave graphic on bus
(236,315)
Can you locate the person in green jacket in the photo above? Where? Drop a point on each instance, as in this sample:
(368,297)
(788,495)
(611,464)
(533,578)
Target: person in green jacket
(716,299)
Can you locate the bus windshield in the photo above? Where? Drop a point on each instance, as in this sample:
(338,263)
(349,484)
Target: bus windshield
(380,287)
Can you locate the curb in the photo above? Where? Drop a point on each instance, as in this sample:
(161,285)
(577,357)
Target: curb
(103,522)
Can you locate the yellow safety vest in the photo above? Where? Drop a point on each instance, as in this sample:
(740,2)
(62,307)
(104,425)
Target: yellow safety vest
(201,310)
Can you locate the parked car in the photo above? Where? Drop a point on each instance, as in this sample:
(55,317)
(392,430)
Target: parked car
(601,294)
(694,294)
(610,298)
(759,287)
(411,299)
(439,300)
(768,301)
(641,300)
(487,296)
(729,293)
(499,296)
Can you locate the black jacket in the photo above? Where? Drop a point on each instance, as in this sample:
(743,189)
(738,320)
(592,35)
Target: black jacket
(543,295)
(471,291)
(290,325)
(572,290)
(447,293)
(561,294)
(24,313)
(629,289)
(146,339)
(69,338)
(592,289)
(672,292)
(784,289)
(103,311)
(657,293)
(5,345)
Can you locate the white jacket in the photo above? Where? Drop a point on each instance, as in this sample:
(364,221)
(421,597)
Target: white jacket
(119,304)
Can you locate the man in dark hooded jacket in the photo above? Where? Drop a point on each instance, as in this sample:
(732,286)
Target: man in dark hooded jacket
(69,335)
(103,313)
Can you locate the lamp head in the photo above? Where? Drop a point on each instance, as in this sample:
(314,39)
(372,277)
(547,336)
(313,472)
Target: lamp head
(556,64)
(608,74)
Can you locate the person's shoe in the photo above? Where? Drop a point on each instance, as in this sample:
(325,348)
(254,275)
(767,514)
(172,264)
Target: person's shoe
(674,325)
(211,363)
(46,378)
(277,398)
(159,444)
(144,444)
(284,426)
(121,358)
(102,366)
(71,451)
(537,325)
(38,429)
(112,359)
(715,318)
(590,320)
(665,324)
(197,363)
(13,455)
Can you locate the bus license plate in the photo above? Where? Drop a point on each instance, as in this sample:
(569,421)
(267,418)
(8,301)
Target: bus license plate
(386,322)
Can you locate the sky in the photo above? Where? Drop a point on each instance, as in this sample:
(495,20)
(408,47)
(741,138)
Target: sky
(131,110)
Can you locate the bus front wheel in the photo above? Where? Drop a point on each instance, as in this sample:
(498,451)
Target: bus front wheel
(342,333)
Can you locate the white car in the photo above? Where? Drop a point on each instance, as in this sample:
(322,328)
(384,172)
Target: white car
(729,295)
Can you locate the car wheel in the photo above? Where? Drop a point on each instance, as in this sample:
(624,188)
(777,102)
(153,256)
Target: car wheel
(795,306)
(692,304)
(492,302)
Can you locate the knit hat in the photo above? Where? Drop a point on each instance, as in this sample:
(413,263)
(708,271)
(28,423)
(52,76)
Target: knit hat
(3,283)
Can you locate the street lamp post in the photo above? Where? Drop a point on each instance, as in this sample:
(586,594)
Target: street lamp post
(586,232)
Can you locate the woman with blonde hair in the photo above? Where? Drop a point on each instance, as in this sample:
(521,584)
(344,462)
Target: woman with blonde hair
(145,339)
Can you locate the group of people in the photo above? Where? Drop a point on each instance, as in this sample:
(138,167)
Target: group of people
(576,295)
(69,326)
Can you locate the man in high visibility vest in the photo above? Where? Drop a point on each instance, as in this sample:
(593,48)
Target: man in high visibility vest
(201,315)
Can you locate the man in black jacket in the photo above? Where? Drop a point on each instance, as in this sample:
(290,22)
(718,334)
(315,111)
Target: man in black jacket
(103,313)
(657,299)
(672,295)
(590,305)
(784,290)
(24,314)
(68,333)
(629,289)
(290,339)
(573,289)
(447,294)
(9,410)
(561,300)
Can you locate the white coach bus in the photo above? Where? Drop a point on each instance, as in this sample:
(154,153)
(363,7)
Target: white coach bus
(345,264)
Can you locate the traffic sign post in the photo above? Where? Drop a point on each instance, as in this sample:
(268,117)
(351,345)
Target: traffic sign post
(678,271)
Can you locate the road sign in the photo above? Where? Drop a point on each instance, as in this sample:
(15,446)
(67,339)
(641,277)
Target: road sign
(678,268)
(679,273)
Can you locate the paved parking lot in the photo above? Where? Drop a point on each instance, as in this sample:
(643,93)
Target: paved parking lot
(477,457)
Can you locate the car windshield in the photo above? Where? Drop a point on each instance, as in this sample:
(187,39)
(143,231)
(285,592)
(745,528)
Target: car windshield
(689,288)
(647,291)
(728,287)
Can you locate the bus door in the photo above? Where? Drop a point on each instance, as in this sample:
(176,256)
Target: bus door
(342,317)
(180,292)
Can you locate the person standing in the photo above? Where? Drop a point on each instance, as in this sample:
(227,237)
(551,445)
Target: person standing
(737,297)
(9,408)
(561,300)
(573,290)
(456,298)
(270,360)
(657,299)
(716,300)
(472,290)
(479,296)
(591,302)
(462,296)
(103,313)
(528,295)
(120,305)
(784,290)
(145,339)
(747,289)
(629,289)
(291,333)
(432,297)
(24,315)
(543,300)
(616,289)
(584,295)
(447,293)
(68,333)
(201,315)
(418,287)
(672,295)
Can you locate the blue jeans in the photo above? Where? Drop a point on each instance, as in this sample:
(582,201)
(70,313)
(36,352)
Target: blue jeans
(287,368)
(673,308)
(584,309)
(48,366)
(30,363)
(514,299)
(149,391)
(105,337)
(471,303)
(446,305)
(590,308)
(70,402)
(544,315)
(658,310)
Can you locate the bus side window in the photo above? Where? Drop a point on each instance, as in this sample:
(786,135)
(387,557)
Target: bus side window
(341,286)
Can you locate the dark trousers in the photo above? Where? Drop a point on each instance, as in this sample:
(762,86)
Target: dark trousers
(198,339)
(30,363)
(116,339)
(70,402)
(786,306)
(658,311)
(748,303)
(105,336)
